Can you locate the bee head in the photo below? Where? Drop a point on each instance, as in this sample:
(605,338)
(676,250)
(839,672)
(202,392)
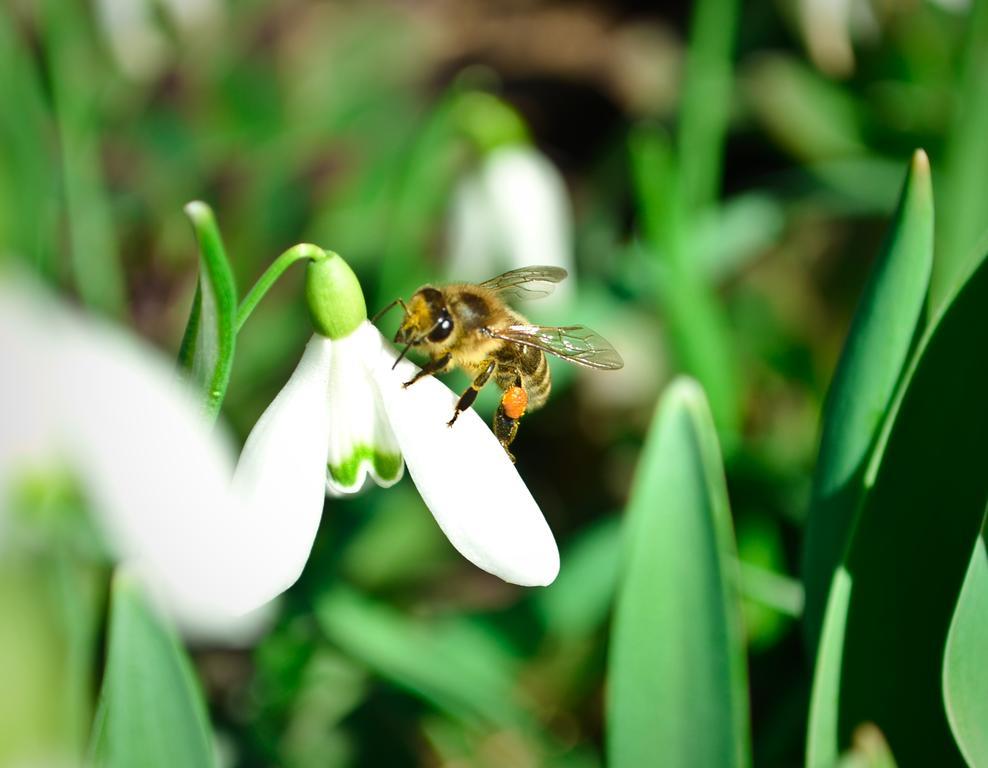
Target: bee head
(427,319)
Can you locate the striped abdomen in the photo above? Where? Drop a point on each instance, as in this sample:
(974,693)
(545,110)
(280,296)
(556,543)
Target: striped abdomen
(529,364)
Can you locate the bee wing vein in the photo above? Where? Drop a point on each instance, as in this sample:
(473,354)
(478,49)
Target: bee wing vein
(526,282)
(575,343)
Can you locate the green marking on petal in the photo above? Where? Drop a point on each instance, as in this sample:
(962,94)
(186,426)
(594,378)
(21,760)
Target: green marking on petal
(387,466)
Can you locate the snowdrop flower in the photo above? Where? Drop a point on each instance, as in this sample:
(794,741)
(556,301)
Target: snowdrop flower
(831,27)
(79,395)
(511,211)
(344,414)
(214,543)
(138,41)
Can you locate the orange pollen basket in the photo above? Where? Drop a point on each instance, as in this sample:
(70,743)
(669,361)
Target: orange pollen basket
(514,402)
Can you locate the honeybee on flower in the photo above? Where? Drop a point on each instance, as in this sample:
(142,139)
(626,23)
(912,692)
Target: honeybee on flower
(471,326)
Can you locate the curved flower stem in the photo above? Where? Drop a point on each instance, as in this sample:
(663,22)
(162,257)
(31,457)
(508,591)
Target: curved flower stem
(271,275)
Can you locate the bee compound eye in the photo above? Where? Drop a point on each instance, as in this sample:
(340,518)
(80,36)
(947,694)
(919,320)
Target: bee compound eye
(444,327)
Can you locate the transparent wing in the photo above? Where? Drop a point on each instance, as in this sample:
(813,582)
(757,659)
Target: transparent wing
(574,343)
(525,283)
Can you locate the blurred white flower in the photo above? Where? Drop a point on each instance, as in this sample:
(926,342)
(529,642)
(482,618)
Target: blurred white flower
(78,393)
(512,211)
(831,27)
(137,40)
(344,414)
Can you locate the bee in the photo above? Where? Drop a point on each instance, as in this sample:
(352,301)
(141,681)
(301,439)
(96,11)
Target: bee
(471,326)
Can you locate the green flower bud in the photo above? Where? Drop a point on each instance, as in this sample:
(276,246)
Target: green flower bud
(488,122)
(335,299)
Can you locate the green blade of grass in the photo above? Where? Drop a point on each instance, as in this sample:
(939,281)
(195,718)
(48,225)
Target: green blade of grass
(889,611)
(459,670)
(28,176)
(151,711)
(706,102)
(579,600)
(677,681)
(422,190)
(871,364)
(964,189)
(965,676)
(211,333)
(805,113)
(697,327)
(92,241)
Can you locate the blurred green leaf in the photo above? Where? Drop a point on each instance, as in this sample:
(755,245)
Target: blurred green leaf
(211,334)
(677,680)
(965,676)
(332,688)
(74,71)
(52,587)
(706,103)
(882,645)
(809,116)
(963,190)
(863,186)
(28,174)
(697,326)
(420,197)
(398,543)
(51,603)
(151,711)
(726,239)
(875,353)
(456,667)
(770,599)
(33,663)
(579,600)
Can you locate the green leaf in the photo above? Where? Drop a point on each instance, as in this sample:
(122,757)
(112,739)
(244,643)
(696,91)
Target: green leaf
(871,365)
(151,711)
(706,103)
(677,681)
(808,115)
(964,187)
(965,676)
(74,69)
(457,668)
(888,615)
(578,601)
(211,334)
(29,176)
(421,193)
(697,326)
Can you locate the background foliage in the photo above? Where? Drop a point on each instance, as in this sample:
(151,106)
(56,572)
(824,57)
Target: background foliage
(749,210)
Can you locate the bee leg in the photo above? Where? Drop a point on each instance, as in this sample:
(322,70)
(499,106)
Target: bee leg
(470,394)
(505,429)
(508,416)
(434,366)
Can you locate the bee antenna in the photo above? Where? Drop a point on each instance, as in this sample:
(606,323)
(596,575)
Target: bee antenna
(389,307)
(408,346)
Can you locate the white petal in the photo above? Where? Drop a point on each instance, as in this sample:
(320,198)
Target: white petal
(466,479)
(195,16)
(82,393)
(137,43)
(475,246)
(360,438)
(531,205)
(280,480)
